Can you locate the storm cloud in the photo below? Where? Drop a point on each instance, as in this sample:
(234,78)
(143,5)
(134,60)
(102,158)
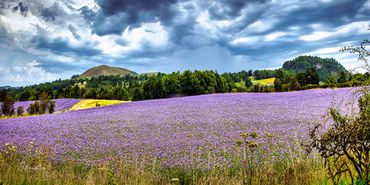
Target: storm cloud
(65,37)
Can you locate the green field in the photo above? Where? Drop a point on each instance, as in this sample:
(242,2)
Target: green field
(267,81)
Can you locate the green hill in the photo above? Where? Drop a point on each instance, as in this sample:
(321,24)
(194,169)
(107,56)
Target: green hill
(326,67)
(104,70)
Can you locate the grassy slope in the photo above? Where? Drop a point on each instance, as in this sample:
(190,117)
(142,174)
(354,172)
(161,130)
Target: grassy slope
(91,103)
(105,70)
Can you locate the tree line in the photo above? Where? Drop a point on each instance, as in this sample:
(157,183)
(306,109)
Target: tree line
(160,85)
(43,106)
(137,87)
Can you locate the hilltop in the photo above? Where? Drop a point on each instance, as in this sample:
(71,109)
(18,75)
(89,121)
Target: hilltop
(326,67)
(104,70)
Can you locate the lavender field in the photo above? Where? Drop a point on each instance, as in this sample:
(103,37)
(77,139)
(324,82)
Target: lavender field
(183,131)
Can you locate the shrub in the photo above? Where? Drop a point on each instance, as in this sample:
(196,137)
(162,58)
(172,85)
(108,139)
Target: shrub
(345,147)
(7,106)
(51,107)
(20,111)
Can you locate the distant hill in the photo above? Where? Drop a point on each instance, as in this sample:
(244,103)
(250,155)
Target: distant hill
(5,87)
(150,73)
(104,70)
(326,67)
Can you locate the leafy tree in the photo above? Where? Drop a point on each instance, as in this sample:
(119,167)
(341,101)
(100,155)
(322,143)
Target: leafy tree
(171,84)
(3,94)
(250,73)
(137,95)
(31,109)
(51,107)
(36,107)
(262,74)
(152,88)
(312,76)
(285,81)
(309,77)
(187,82)
(279,80)
(20,111)
(7,107)
(44,97)
(342,77)
(221,86)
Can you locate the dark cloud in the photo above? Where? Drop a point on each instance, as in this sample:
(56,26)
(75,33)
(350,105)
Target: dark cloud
(54,66)
(73,30)
(114,15)
(88,14)
(23,9)
(114,24)
(224,9)
(331,14)
(201,32)
(63,47)
(52,13)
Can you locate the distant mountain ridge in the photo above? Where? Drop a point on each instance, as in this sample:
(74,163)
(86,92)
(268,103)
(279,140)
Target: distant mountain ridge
(326,67)
(105,70)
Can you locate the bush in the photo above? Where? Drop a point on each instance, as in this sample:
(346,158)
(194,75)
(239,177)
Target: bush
(345,147)
(7,107)
(51,107)
(20,111)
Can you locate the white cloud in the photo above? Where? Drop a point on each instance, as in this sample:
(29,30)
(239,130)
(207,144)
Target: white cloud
(274,36)
(315,36)
(16,22)
(212,26)
(261,25)
(91,4)
(28,73)
(152,34)
(351,28)
(245,40)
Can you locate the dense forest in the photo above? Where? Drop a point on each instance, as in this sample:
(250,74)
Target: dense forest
(135,87)
(327,68)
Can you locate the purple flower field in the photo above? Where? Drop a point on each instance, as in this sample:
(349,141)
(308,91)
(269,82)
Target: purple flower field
(176,131)
(60,104)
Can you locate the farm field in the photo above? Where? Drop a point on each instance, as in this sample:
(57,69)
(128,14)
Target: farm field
(267,81)
(91,103)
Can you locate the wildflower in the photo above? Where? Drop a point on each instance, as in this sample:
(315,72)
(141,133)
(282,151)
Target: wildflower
(268,135)
(175,179)
(238,142)
(244,134)
(252,144)
(253,135)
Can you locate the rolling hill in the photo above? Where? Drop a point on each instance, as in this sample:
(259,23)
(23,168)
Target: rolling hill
(326,67)
(104,70)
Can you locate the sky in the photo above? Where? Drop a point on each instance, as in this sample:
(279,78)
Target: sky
(44,40)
